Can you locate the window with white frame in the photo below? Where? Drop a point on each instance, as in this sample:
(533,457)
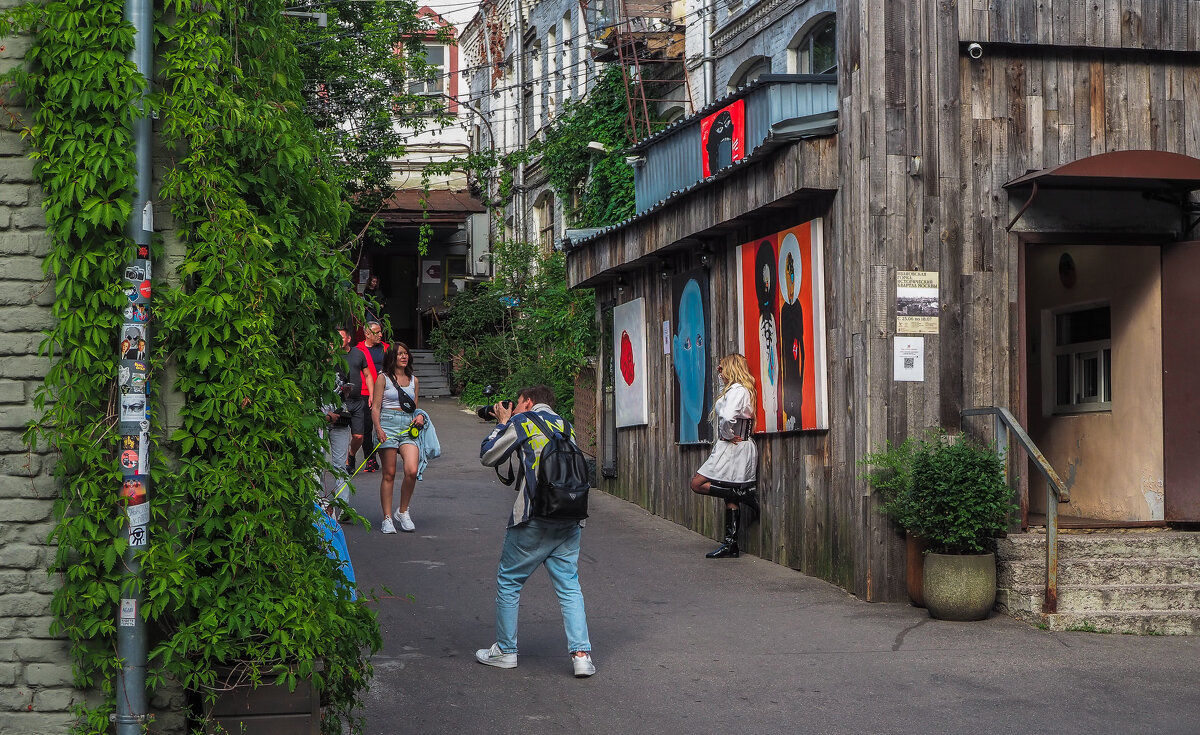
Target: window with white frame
(816,51)
(568,54)
(433,80)
(1082,359)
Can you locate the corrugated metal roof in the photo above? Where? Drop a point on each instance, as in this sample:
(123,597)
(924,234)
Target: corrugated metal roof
(780,108)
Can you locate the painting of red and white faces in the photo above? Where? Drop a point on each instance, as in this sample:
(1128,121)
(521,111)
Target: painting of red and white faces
(782,327)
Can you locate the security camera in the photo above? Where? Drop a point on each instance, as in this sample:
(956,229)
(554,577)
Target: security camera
(597,146)
(975,51)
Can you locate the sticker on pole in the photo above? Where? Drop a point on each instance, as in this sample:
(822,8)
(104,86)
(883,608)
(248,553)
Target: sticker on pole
(128,612)
(133,489)
(139,522)
(133,408)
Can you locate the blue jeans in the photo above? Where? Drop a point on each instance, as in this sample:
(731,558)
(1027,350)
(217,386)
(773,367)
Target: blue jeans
(555,544)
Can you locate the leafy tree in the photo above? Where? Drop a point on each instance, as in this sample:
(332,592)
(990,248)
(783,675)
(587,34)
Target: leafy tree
(522,328)
(602,183)
(272,127)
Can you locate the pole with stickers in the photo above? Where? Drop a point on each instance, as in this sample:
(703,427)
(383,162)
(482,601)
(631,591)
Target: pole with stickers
(134,419)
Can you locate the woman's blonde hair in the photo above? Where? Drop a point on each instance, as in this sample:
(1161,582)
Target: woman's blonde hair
(736,370)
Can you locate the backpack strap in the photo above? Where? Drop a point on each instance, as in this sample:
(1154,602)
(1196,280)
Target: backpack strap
(544,427)
(404,399)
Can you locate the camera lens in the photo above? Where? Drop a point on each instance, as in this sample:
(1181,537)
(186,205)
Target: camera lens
(487,413)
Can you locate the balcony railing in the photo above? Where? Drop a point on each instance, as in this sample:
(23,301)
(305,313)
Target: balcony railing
(778,108)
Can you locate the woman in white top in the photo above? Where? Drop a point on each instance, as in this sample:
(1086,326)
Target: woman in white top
(731,471)
(394,417)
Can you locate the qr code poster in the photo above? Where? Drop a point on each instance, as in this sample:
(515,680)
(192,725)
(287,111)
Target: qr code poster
(909,355)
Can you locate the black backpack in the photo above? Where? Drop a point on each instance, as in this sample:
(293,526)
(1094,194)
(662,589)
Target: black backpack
(562,475)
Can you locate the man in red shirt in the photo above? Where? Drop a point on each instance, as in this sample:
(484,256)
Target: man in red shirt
(372,348)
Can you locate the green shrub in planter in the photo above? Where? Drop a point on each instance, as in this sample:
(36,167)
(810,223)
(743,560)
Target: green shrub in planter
(949,490)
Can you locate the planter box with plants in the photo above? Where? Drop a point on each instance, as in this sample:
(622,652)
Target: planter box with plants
(949,491)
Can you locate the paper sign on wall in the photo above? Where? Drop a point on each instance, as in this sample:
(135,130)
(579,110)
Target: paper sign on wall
(909,355)
(917,305)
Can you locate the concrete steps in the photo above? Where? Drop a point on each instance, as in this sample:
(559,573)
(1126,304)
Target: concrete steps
(431,374)
(1136,581)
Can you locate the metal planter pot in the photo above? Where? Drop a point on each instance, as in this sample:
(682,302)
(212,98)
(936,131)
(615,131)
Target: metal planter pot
(960,587)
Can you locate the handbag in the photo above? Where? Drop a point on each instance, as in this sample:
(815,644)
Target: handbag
(407,404)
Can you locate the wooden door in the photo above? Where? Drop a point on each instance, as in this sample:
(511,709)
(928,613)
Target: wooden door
(1181,380)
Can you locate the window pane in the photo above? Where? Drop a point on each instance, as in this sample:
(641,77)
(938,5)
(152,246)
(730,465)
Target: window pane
(1088,325)
(1088,374)
(1062,381)
(435,55)
(824,49)
(1107,375)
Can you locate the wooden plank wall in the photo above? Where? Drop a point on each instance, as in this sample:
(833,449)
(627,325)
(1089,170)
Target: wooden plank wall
(928,138)
(1168,25)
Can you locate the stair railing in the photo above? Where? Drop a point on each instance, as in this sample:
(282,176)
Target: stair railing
(1056,492)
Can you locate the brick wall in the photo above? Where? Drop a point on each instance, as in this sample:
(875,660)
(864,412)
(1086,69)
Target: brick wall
(36,692)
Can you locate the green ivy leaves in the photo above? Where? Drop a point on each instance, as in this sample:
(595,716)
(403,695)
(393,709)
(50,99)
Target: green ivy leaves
(235,575)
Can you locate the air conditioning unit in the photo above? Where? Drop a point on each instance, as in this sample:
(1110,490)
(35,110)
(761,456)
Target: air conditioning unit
(479,237)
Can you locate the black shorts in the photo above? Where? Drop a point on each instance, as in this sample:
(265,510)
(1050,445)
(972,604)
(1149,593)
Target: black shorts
(360,415)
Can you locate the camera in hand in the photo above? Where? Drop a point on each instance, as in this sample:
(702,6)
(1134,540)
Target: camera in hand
(488,413)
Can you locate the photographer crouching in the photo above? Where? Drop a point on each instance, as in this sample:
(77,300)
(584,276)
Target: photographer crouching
(532,540)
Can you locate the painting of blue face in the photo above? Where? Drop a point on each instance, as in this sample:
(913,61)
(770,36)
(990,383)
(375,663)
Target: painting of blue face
(689,350)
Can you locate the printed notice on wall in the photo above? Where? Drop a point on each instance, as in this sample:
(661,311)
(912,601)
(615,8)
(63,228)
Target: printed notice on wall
(917,302)
(910,359)
(667,337)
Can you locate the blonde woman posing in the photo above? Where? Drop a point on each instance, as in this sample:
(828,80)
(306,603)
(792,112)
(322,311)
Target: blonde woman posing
(394,417)
(731,471)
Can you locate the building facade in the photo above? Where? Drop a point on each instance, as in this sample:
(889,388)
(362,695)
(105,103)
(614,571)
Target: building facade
(524,62)
(900,211)
(416,284)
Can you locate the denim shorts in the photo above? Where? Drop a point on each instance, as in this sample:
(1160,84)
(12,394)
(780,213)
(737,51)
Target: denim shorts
(395,424)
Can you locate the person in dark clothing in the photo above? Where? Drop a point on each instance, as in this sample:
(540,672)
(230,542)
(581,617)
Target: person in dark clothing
(376,300)
(356,403)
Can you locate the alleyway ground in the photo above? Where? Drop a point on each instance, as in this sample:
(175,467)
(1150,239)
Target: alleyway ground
(683,644)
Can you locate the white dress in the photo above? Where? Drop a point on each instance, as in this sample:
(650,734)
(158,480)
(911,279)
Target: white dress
(730,463)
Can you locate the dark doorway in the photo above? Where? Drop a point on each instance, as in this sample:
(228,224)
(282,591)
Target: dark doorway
(398,279)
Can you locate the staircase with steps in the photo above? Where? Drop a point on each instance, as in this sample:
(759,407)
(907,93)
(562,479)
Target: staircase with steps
(1130,581)
(431,374)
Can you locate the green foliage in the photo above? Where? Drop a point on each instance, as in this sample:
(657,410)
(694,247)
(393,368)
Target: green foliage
(523,328)
(602,184)
(258,175)
(948,490)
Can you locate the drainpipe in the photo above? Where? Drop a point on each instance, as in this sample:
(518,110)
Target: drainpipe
(710,27)
(131,715)
(519,64)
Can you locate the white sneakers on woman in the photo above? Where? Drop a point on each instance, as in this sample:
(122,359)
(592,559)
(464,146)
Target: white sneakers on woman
(404,520)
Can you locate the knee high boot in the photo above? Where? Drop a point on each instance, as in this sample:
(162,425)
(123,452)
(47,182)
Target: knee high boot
(729,547)
(747,497)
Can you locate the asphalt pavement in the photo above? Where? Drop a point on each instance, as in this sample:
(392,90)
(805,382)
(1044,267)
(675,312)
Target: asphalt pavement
(684,644)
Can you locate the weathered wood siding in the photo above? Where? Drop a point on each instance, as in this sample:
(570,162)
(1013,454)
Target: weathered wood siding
(928,137)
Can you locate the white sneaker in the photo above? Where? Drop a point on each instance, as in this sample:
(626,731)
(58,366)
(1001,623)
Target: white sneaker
(495,657)
(387,526)
(404,520)
(582,661)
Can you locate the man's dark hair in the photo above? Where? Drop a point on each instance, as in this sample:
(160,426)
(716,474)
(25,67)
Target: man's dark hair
(538,394)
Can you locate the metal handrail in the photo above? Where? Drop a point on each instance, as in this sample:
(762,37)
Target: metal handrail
(1056,491)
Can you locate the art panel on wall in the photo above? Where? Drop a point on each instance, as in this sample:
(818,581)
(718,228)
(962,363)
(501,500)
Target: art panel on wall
(781,329)
(689,353)
(629,354)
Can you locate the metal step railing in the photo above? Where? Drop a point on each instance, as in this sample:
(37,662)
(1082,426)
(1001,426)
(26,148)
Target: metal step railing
(1056,491)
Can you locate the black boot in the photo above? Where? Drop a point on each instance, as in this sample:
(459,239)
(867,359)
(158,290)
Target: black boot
(747,496)
(729,547)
